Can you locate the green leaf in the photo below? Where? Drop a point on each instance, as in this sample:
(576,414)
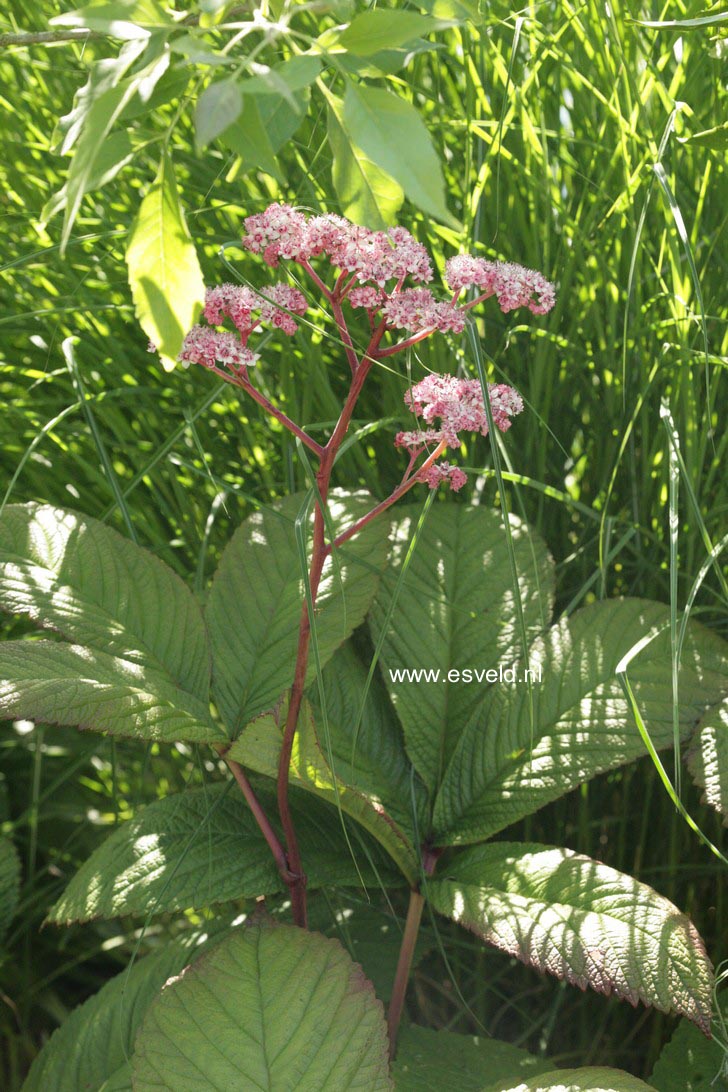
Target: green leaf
(93,1043)
(164,271)
(717,137)
(577,919)
(279,118)
(116,152)
(126,19)
(73,574)
(218,107)
(248,138)
(368,756)
(367,194)
(455,611)
(391,133)
(380,29)
(254,607)
(67,684)
(271,1007)
(292,75)
(707,758)
(103,76)
(431,1061)
(9,883)
(258,747)
(692,1063)
(202,847)
(98,121)
(579,723)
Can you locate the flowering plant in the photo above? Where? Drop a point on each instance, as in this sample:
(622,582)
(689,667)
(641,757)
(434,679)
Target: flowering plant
(363,779)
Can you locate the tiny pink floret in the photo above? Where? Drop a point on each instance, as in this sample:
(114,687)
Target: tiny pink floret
(209,347)
(416,309)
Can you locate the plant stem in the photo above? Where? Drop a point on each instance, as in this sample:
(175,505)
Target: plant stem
(244,384)
(404,965)
(260,817)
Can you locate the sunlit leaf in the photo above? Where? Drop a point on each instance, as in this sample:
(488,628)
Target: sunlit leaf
(392,134)
(707,758)
(270,1007)
(202,847)
(164,270)
(367,194)
(578,919)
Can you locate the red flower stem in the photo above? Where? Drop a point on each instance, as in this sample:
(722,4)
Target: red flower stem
(247,386)
(315,278)
(409,341)
(393,497)
(319,553)
(345,335)
(260,817)
(297,882)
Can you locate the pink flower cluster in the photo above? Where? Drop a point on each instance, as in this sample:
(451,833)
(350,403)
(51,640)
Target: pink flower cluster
(513,285)
(378,256)
(239,303)
(247,309)
(416,309)
(443,472)
(460,407)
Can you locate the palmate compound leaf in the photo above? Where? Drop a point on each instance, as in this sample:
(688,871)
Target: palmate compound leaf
(524,748)
(57,683)
(271,1007)
(707,758)
(254,607)
(94,1043)
(579,920)
(72,574)
(432,1061)
(203,847)
(455,610)
(588,1079)
(258,747)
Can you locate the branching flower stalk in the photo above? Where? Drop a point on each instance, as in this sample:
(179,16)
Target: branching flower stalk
(371,269)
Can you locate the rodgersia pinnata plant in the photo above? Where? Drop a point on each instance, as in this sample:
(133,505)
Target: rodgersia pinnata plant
(352,774)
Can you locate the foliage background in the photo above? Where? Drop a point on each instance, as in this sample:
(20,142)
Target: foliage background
(549,120)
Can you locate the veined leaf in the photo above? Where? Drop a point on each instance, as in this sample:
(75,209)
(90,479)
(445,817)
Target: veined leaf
(690,1062)
(9,883)
(577,919)
(249,139)
(292,75)
(126,19)
(164,271)
(431,1061)
(392,134)
(707,758)
(115,153)
(75,575)
(367,194)
(370,756)
(98,122)
(382,29)
(258,747)
(103,76)
(66,684)
(515,756)
(218,107)
(94,1043)
(283,1008)
(195,849)
(456,610)
(588,1079)
(255,602)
